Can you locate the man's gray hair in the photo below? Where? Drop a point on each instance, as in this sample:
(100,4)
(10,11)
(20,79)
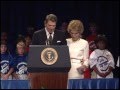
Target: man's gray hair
(51,17)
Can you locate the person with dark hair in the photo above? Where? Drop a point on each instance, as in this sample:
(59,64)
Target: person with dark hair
(101,59)
(10,43)
(49,35)
(93,28)
(6,62)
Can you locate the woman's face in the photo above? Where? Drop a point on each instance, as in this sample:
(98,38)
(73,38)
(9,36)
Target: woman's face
(75,35)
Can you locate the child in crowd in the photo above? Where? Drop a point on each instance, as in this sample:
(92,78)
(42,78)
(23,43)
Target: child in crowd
(28,41)
(7,63)
(101,59)
(21,72)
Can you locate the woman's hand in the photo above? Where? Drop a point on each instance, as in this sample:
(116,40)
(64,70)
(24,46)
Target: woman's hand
(81,69)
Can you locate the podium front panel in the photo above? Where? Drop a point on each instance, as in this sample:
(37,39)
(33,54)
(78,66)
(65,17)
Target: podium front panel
(36,64)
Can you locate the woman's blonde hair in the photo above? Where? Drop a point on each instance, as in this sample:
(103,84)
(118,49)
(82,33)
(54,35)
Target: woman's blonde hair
(75,25)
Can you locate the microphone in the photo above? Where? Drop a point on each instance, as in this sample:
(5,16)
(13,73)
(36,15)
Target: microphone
(48,42)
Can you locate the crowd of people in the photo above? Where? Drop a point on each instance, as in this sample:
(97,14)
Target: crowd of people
(89,57)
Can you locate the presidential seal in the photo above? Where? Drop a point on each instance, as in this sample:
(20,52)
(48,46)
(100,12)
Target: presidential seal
(49,56)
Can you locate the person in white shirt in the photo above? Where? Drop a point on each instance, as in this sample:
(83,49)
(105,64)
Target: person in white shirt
(118,63)
(78,50)
(101,59)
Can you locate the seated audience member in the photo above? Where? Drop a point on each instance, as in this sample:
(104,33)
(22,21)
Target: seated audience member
(7,62)
(10,43)
(92,36)
(20,71)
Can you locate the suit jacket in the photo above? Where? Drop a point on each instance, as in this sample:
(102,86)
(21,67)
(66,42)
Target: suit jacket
(39,38)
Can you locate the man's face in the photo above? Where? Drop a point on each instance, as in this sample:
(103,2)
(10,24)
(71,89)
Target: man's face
(50,25)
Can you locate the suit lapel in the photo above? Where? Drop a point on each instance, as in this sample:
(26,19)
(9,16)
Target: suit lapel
(54,38)
(43,36)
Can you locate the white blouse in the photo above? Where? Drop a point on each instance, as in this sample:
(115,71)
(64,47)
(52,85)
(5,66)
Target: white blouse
(78,50)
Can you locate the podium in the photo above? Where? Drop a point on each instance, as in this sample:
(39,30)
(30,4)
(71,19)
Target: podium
(48,66)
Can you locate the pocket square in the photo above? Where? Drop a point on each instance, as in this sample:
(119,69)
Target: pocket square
(58,41)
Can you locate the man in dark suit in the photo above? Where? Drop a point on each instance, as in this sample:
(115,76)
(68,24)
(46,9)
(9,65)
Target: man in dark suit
(49,35)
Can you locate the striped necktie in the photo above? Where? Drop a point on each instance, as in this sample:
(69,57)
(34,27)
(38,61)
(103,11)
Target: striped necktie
(50,39)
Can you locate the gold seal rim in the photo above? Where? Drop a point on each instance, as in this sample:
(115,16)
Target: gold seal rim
(46,61)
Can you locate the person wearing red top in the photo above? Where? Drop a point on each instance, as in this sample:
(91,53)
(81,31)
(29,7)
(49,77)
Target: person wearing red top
(91,40)
(28,41)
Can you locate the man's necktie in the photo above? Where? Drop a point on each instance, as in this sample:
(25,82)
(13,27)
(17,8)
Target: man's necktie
(50,39)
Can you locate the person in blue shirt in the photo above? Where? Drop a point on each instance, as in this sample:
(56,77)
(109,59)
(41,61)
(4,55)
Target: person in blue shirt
(7,62)
(20,71)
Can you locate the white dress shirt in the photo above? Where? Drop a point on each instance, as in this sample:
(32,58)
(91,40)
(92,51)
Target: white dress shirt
(48,34)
